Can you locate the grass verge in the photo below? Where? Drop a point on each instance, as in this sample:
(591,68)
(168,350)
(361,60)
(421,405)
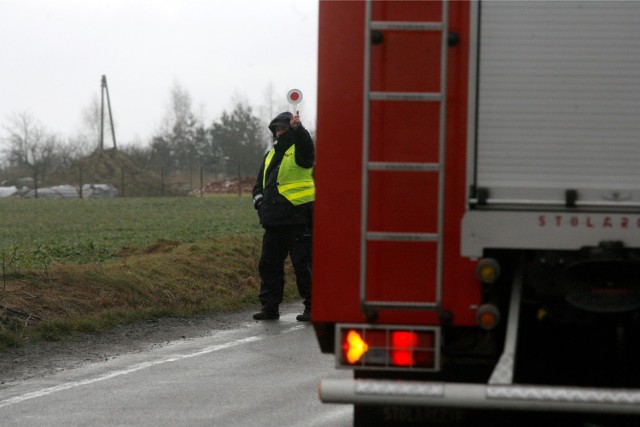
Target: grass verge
(166,278)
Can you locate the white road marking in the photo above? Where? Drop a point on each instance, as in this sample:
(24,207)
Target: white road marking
(293,328)
(134,368)
(334,416)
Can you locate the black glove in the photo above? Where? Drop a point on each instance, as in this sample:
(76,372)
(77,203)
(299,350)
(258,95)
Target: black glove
(257,201)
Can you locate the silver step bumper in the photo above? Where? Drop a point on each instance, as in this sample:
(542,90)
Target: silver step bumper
(480,396)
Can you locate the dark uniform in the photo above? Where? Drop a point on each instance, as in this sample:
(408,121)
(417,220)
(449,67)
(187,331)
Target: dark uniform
(284,198)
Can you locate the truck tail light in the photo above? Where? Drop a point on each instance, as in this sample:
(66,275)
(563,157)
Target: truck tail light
(388,347)
(354,347)
(402,345)
(488,316)
(488,270)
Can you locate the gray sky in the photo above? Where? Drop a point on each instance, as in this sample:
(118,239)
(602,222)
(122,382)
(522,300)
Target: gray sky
(54,52)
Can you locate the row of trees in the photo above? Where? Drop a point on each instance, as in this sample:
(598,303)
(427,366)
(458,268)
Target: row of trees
(230,145)
(235,141)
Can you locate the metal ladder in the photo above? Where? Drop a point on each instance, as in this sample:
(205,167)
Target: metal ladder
(369,307)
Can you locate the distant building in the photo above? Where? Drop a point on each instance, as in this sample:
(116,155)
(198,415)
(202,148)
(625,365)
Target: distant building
(8,191)
(89,191)
(56,192)
(99,191)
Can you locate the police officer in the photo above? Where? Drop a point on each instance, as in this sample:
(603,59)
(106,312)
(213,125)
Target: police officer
(283,196)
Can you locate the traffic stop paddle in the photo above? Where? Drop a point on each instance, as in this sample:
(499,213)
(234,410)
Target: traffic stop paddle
(294,97)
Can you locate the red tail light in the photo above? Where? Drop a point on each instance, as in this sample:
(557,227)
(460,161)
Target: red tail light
(402,345)
(387,347)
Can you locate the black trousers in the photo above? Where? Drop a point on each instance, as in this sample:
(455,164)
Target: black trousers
(277,243)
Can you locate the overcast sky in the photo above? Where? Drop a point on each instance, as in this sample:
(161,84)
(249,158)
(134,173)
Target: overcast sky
(54,52)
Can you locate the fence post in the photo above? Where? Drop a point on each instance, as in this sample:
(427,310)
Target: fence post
(35,183)
(162,181)
(201,181)
(80,179)
(122,180)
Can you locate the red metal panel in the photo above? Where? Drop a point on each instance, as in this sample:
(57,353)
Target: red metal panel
(401,271)
(404,132)
(407,60)
(403,202)
(400,132)
(338,159)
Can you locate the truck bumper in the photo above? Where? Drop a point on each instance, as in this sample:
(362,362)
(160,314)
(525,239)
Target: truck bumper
(480,396)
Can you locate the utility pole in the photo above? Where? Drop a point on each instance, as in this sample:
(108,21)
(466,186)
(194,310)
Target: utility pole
(105,89)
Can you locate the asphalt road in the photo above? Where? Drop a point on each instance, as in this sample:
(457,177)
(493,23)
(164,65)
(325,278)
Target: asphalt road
(257,374)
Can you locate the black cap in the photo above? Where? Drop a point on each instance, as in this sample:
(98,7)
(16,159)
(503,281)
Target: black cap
(282,119)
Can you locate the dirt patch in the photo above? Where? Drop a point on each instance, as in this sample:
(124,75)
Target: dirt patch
(162,245)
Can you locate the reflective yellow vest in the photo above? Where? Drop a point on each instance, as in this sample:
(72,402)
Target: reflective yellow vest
(294,182)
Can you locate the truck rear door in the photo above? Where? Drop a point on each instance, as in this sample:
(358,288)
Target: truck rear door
(558,104)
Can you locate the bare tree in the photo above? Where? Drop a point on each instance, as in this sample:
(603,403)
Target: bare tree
(67,152)
(175,147)
(268,111)
(179,111)
(31,146)
(274,104)
(90,130)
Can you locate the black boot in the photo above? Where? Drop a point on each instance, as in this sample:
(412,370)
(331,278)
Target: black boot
(305,316)
(267,314)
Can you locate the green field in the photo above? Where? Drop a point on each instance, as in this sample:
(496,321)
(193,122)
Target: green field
(83,266)
(98,229)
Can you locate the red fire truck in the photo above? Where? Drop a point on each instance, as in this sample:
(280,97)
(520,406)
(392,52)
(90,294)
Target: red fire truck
(477,221)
